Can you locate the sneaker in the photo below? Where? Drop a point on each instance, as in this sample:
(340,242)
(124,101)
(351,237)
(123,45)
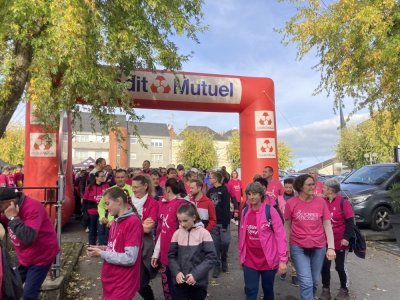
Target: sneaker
(282,276)
(87,229)
(295,281)
(342,295)
(237,223)
(325,294)
(216,272)
(224,267)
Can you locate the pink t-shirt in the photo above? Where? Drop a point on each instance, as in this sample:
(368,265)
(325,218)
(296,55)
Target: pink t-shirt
(275,188)
(19,179)
(123,282)
(11,181)
(167,225)
(255,257)
(338,223)
(307,218)
(45,247)
(150,209)
(94,195)
(319,188)
(3,180)
(235,189)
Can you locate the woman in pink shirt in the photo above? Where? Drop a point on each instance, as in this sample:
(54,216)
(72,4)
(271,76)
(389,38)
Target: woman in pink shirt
(122,255)
(262,244)
(91,198)
(342,217)
(309,230)
(167,225)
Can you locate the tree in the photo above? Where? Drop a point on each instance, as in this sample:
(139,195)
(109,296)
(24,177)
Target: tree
(197,150)
(376,135)
(358,45)
(285,156)
(55,52)
(12,145)
(233,150)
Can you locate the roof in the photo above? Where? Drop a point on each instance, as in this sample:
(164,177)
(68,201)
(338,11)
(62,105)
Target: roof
(90,125)
(149,129)
(144,128)
(320,165)
(217,136)
(229,133)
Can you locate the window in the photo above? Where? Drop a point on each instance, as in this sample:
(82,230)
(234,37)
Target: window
(156,158)
(156,143)
(82,138)
(100,139)
(81,154)
(133,156)
(133,140)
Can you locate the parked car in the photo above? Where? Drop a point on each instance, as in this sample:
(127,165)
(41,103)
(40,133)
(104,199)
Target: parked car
(368,190)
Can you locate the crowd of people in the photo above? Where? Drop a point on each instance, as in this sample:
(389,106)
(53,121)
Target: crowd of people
(177,222)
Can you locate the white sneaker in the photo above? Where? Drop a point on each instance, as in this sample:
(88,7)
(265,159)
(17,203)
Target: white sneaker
(87,229)
(237,223)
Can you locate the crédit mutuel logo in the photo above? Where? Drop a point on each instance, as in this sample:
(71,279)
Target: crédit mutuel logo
(195,88)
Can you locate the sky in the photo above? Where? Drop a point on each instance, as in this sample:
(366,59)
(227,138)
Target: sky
(242,40)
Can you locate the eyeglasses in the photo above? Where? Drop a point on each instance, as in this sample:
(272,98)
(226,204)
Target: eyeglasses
(310,184)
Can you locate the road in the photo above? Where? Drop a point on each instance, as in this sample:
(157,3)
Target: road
(376,277)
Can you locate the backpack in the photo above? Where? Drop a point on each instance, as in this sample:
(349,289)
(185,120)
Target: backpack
(12,284)
(357,242)
(267,214)
(276,206)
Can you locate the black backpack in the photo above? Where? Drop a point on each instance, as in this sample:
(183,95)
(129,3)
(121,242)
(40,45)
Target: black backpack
(357,242)
(267,214)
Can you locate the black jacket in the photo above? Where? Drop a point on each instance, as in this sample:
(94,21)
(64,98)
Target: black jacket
(221,198)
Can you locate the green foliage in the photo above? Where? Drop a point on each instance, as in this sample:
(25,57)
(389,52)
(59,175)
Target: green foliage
(78,49)
(285,156)
(376,135)
(358,46)
(197,150)
(233,150)
(12,145)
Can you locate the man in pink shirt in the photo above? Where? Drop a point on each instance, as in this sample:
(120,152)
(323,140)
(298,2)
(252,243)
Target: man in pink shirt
(275,187)
(33,237)
(319,185)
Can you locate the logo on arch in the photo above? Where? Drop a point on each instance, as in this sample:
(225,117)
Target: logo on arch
(266,148)
(160,85)
(264,120)
(42,145)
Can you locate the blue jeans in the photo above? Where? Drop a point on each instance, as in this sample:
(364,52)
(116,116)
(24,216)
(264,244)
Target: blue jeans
(103,234)
(252,279)
(33,278)
(93,224)
(308,262)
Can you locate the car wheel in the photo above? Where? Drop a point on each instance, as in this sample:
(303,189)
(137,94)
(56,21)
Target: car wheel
(380,218)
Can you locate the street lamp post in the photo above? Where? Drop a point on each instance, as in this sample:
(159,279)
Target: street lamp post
(371,157)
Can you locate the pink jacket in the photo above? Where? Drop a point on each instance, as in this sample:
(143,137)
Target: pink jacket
(273,241)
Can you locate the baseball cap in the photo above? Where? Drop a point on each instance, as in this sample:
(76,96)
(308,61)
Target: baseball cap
(8,194)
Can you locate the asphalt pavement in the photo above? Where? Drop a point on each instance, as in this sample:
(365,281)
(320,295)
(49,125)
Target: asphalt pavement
(376,277)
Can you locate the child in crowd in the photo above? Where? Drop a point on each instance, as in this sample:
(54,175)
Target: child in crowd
(191,255)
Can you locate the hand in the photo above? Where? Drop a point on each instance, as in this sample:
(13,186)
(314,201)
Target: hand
(190,279)
(12,210)
(330,254)
(94,251)
(344,242)
(2,232)
(282,268)
(103,221)
(180,278)
(154,262)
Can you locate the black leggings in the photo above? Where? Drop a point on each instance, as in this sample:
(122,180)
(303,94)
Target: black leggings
(340,267)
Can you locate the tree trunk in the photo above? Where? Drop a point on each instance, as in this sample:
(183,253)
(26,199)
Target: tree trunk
(19,74)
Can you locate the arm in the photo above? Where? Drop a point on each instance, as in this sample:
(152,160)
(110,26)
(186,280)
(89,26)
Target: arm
(156,252)
(101,208)
(128,258)
(148,225)
(226,200)
(212,217)
(349,231)
(329,234)
(288,229)
(173,256)
(280,235)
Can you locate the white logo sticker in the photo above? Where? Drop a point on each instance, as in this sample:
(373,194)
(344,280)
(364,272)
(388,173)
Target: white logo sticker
(266,148)
(43,145)
(264,120)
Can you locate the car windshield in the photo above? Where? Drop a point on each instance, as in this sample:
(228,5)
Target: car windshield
(371,175)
